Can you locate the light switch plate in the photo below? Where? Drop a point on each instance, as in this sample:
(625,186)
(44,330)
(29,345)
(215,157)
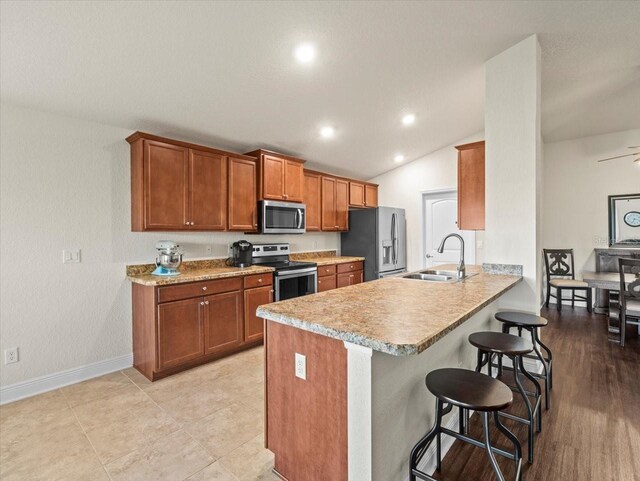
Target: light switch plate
(301,366)
(71,256)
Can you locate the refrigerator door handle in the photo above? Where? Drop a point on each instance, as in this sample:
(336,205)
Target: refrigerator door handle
(393,239)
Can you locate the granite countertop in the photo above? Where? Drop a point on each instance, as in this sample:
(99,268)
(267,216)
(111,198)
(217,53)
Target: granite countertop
(191,271)
(324,258)
(392,315)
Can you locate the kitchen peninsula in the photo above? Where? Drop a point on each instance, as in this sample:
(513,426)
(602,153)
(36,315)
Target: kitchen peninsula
(354,405)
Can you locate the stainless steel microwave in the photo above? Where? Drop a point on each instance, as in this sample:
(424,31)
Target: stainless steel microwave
(282,217)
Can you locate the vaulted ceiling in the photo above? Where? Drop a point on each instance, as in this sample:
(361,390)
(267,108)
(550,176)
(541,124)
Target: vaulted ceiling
(223,73)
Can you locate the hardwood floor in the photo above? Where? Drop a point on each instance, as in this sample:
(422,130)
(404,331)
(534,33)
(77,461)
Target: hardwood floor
(592,431)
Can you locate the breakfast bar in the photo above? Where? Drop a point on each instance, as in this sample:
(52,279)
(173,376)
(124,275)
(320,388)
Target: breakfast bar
(345,369)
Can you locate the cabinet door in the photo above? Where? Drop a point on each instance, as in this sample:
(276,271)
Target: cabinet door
(180,336)
(326,283)
(371,195)
(342,205)
(344,280)
(208,188)
(356,194)
(358,277)
(312,199)
(293,181)
(273,169)
(243,206)
(254,325)
(223,321)
(471,186)
(329,204)
(165,186)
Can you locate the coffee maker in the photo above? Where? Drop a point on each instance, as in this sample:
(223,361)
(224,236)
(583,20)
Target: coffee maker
(241,253)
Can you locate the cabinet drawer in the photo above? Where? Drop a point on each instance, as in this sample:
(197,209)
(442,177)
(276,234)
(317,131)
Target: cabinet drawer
(326,270)
(326,283)
(350,267)
(258,280)
(195,289)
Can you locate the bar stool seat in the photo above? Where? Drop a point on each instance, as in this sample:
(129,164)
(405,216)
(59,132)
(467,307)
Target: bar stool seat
(500,343)
(531,323)
(466,390)
(515,348)
(521,319)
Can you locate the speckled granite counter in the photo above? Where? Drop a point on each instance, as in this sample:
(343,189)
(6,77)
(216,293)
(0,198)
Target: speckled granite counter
(191,271)
(324,258)
(393,315)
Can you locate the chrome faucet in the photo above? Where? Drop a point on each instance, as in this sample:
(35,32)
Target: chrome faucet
(462,271)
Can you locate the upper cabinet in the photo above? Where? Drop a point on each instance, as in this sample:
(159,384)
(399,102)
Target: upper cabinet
(313,199)
(280,177)
(362,194)
(243,207)
(335,204)
(471,190)
(180,186)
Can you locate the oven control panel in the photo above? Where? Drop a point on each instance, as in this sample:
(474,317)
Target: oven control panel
(265,250)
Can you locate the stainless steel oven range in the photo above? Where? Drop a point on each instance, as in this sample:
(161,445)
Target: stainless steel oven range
(291,278)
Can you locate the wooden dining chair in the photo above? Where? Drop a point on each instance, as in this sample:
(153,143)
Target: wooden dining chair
(629,296)
(561,276)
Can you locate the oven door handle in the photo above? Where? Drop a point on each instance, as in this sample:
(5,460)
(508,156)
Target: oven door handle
(297,273)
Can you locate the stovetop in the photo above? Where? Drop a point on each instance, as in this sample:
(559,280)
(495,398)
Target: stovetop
(285,265)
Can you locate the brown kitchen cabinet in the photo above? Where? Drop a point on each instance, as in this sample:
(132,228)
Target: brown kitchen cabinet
(243,208)
(280,177)
(181,186)
(340,275)
(356,194)
(223,319)
(471,186)
(313,200)
(254,325)
(180,332)
(179,326)
(370,195)
(335,204)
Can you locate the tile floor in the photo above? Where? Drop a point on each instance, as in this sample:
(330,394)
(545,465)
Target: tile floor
(205,424)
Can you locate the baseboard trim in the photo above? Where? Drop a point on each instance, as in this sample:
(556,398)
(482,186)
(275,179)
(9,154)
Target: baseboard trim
(49,382)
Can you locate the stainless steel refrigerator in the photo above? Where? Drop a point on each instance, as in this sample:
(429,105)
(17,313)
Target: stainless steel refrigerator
(380,236)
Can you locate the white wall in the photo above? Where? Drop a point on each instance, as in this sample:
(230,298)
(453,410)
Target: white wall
(65,184)
(403,187)
(513,165)
(576,188)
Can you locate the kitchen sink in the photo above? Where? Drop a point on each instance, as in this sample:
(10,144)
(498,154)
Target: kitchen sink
(435,275)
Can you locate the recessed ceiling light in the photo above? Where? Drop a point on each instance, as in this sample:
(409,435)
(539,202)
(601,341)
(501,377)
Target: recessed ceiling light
(327,132)
(398,158)
(305,53)
(408,119)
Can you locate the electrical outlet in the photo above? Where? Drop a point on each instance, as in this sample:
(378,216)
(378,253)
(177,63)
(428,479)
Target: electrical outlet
(11,355)
(301,366)
(71,256)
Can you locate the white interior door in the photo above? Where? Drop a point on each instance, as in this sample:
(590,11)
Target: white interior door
(440,219)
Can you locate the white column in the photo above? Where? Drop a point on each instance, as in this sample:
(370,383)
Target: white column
(359,412)
(513,167)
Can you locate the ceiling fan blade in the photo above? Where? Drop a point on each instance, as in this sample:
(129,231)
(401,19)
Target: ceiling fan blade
(617,157)
(634,147)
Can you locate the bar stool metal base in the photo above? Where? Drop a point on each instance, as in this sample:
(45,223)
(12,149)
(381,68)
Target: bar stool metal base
(436,432)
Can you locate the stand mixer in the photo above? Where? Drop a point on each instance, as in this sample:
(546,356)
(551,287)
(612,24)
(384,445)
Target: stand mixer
(168,260)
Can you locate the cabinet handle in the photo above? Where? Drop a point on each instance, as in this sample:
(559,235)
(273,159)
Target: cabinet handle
(204,288)
(351,266)
(206,302)
(192,223)
(351,275)
(260,280)
(202,303)
(271,291)
(186,223)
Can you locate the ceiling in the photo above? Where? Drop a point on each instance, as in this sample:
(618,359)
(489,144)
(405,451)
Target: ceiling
(223,73)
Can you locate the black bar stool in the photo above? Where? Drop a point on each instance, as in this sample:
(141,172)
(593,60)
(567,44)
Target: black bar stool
(514,347)
(530,322)
(466,390)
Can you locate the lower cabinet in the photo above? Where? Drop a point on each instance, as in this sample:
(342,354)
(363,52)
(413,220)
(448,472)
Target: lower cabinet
(180,326)
(223,316)
(180,332)
(340,275)
(254,325)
